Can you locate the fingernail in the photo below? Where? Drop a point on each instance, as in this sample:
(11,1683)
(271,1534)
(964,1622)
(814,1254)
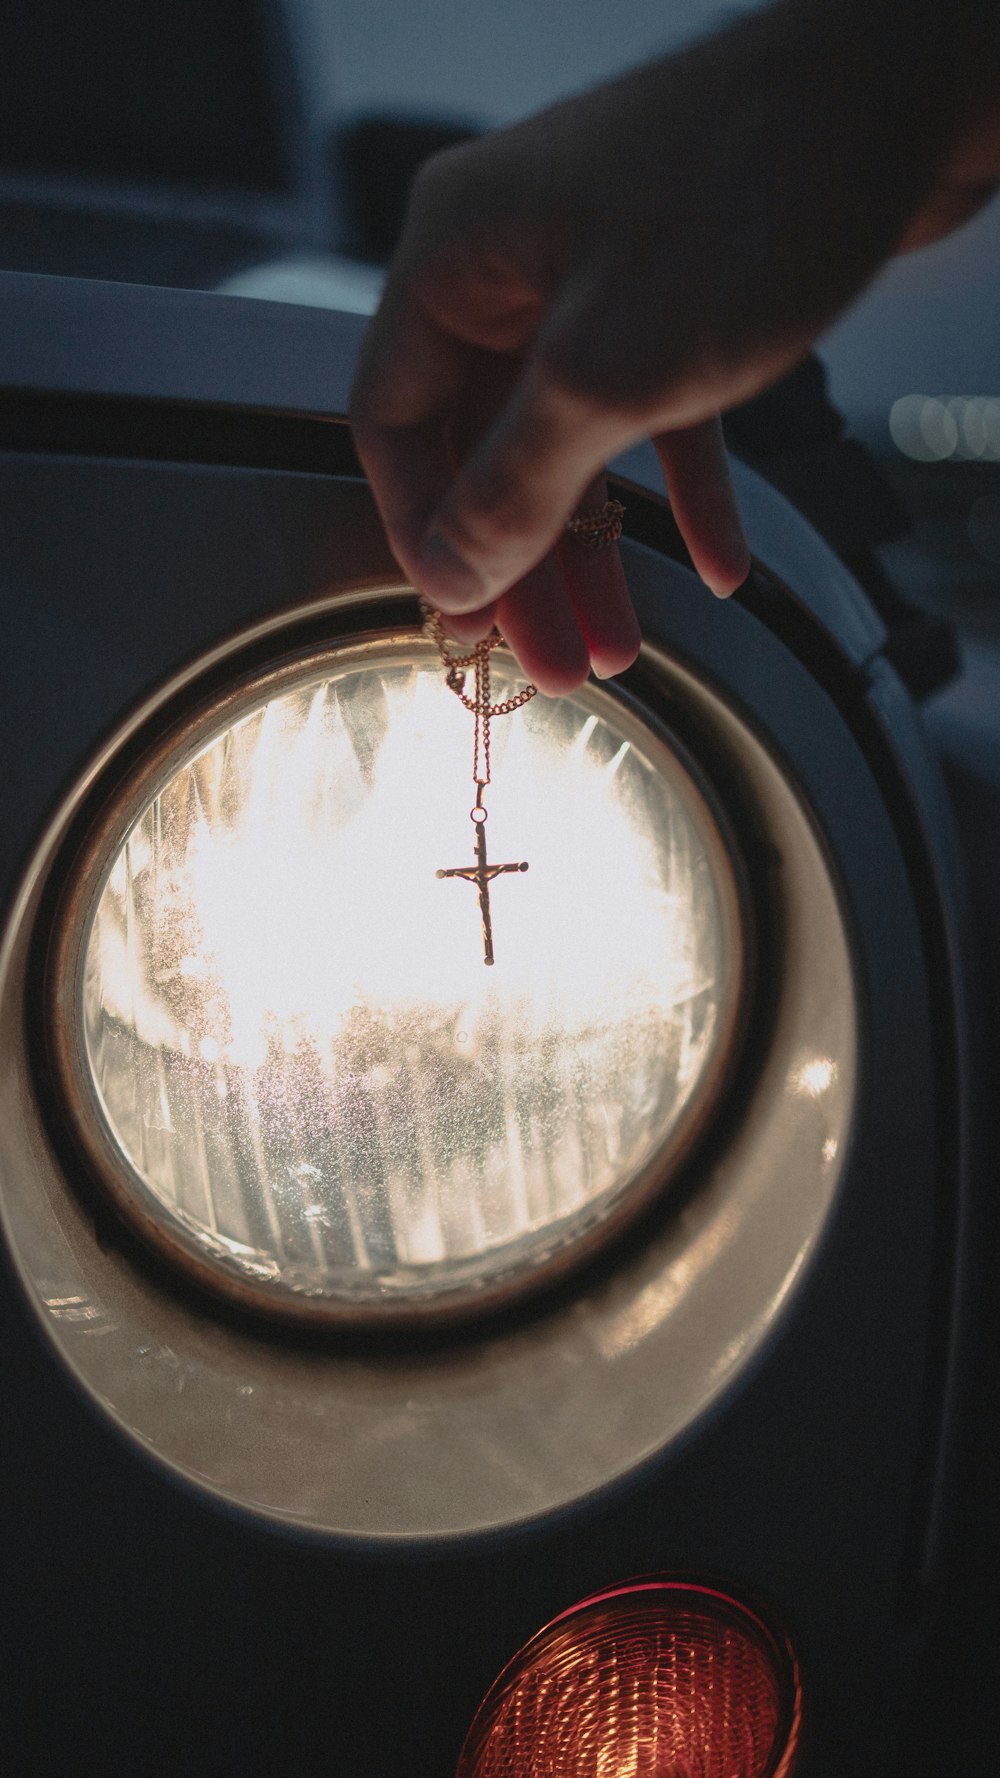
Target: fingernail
(449,576)
(725,587)
(610,665)
(468,627)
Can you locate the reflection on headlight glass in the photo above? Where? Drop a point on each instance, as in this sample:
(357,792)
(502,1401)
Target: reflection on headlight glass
(291,1035)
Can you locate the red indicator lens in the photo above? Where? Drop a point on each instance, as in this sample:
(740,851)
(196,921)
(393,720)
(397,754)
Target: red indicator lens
(656,1679)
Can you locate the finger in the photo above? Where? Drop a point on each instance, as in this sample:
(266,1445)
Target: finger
(469,627)
(537,621)
(703,501)
(595,580)
(410,375)
(407,469)
(507,505)
(409,367)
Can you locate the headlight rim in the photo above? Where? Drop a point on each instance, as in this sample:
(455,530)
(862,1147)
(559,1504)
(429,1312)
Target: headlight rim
(238,675)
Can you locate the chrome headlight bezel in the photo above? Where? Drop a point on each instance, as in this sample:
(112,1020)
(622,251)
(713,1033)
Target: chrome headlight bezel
(357,1438)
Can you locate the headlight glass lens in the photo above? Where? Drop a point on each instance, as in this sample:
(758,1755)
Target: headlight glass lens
(302,1072)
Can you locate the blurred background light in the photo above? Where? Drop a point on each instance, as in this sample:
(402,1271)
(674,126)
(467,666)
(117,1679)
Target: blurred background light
(931,429)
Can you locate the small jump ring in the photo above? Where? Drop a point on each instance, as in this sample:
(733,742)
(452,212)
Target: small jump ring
(598,525)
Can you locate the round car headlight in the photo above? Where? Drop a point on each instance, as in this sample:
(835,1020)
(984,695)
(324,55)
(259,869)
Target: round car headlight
(284,1057)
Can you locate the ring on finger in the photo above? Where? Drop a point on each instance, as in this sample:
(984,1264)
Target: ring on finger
(597,526)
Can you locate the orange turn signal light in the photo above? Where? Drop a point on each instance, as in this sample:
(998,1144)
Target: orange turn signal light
(656,1678)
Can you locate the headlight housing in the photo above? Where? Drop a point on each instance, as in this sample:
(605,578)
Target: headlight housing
(286,1061)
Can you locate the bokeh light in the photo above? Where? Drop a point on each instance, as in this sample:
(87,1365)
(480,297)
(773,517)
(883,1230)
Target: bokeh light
(934,429)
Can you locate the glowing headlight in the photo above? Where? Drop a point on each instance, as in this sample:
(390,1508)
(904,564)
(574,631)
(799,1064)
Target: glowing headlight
(289,1063)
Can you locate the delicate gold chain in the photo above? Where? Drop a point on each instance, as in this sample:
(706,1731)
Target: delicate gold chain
(456,668)
(482,873)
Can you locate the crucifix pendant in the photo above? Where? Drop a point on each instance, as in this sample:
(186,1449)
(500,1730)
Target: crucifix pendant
(482,873)
(478,704)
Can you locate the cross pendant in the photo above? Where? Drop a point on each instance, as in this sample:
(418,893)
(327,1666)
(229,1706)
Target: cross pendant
(481,873)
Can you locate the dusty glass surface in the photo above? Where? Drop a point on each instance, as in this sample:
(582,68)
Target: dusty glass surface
(304,1066)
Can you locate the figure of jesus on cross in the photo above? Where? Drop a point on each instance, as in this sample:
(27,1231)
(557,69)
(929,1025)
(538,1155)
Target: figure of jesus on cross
(482,873)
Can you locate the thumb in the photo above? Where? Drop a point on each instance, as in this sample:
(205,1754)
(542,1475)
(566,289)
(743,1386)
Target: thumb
(514,492)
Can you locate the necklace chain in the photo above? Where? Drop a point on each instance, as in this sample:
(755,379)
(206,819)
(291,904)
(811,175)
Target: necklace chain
(457,667)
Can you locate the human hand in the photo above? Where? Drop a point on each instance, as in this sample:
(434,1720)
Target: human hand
(479,449)
(627,264)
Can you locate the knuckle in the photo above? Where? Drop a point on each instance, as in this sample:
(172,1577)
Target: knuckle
(613,370)
(440,178)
